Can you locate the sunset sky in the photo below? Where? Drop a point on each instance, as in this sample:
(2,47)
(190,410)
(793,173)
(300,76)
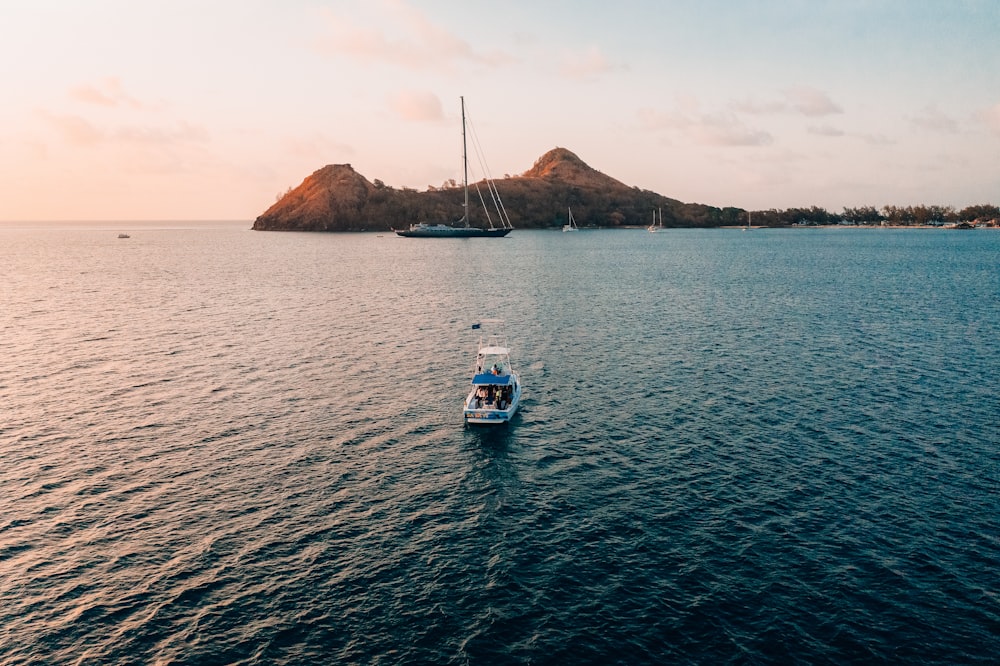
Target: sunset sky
(208,109)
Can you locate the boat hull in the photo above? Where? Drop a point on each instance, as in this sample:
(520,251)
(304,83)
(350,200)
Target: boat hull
(452,232)
(479,413)
(489,416)
(486,416)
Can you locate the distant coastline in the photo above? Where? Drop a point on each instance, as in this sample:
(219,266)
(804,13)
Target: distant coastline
(992,224)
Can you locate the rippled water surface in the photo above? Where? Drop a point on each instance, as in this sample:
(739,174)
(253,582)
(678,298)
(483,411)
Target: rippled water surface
(225,446)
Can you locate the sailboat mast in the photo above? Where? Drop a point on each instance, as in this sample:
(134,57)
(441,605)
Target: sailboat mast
(465,167)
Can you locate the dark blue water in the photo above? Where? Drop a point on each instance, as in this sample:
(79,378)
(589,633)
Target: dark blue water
(224,446)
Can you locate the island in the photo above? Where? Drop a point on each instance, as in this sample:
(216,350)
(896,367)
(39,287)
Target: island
(338,198)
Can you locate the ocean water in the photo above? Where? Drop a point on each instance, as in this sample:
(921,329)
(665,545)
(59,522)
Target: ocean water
(220,446)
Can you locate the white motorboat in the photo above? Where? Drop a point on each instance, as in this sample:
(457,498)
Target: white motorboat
(496,388)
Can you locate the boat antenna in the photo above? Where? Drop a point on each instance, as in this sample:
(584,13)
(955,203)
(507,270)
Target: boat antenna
(465,167)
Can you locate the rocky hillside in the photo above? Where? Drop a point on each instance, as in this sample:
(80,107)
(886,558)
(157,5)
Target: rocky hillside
(338,198)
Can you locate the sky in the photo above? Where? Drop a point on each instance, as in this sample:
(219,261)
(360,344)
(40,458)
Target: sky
(211,109)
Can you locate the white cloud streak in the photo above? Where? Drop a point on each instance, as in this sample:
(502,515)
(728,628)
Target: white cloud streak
(417,106)
(722,129)
(587,65)
(801,100)
(405,37)
(108,93)
(933,119)
(991,118)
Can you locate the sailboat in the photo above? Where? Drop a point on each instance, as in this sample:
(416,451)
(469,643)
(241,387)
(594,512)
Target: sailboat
(747,228)
(655,227)
(461,229)
(571,224)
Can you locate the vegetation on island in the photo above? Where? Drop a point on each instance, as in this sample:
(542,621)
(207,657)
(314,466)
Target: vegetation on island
(337,198)
(917,216)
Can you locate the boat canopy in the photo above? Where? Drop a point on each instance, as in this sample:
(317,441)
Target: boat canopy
(493,351)
(489,379)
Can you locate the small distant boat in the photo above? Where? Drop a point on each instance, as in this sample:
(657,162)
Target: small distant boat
(656,227)
(496,388)
(461,229)
(571,224)
(747,228)
(123,236)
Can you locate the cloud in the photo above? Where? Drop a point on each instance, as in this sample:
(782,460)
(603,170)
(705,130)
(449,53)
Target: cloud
(79,131)
(723,129)
(587,64)
(182,132)
(991,117)
(932,119)
(825,130)
(757,108)
(417,106)
(811,102)
(877,139)
(403,36)
(317,147)
(802,100)
(108,92)
(75,130)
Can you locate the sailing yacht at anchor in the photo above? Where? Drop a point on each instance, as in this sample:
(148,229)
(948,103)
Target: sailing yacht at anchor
(424,230)
(571,224)
(654,227)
